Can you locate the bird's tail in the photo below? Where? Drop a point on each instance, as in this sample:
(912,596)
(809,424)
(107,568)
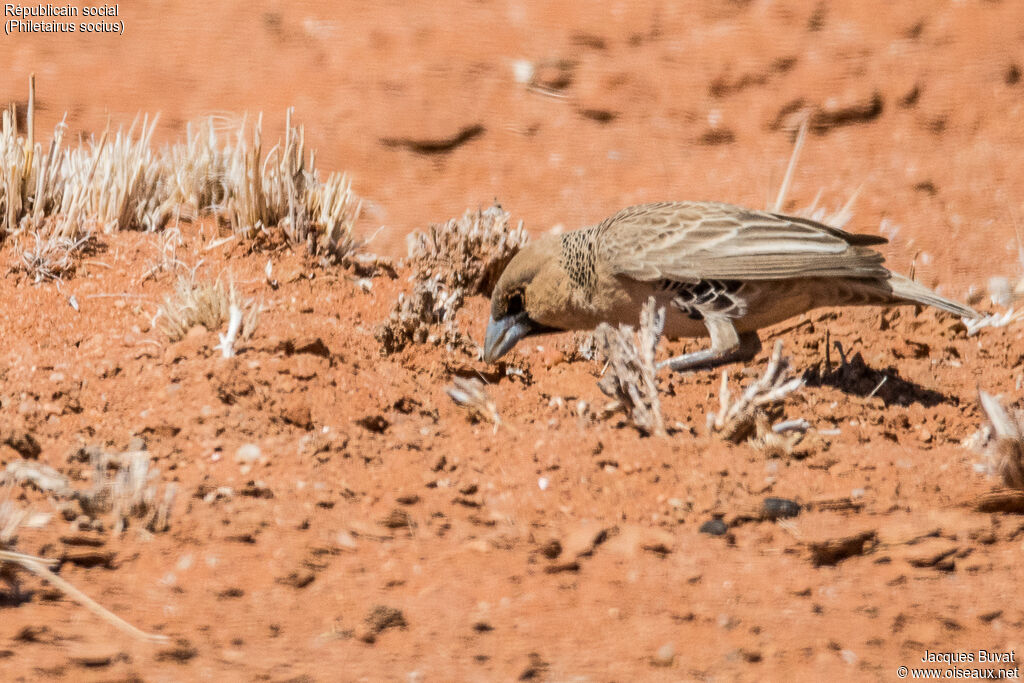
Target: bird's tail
(907,290)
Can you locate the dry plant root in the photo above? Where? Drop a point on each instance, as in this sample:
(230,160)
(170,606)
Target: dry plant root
(630,377)
(471,394)
(750,414)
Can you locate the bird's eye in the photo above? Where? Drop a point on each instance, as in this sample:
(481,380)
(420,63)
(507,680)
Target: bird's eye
(515,303)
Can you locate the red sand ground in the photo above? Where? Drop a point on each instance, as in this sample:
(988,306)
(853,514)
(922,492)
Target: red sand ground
(646,101)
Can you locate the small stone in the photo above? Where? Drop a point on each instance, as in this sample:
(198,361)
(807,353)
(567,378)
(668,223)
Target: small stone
(714,527)
(248,453)
(137,443)
(380,619)
(581,542)
(298,414)
(256,489)
(181,652)
(665,655)
(829,551)
(299,578)
(346,541)
(535,669)
(374,423)
(83,539)
(396,519)
(89,557)
(24,443)
(552,549)
(778,508)
(931,552)
(93,658)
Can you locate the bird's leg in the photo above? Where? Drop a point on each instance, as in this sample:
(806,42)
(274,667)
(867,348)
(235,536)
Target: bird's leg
(727,346)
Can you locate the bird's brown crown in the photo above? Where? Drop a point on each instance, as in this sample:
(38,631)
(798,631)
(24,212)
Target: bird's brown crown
(517,291)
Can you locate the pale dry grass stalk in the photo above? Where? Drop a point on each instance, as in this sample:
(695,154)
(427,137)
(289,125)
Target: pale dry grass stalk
(1006,450)
(199,169)
(737,420)
(42,477)
(630,377)
(333,208)
(284,190)
(208,304)
(119,182)
(1002,319)
(471,394)
(836,219)
(167,243)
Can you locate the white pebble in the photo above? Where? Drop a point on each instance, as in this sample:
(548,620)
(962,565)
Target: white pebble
(523,71)
(542,483)
(249,452)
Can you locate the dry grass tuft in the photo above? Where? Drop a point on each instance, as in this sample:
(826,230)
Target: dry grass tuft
(1005,450)
(426,315)
(198,169)
(209,304)
(123,488)
(630,377)
(49,256)
(759,403)
(467,253)
(53,199)
(284,190)
(472,395)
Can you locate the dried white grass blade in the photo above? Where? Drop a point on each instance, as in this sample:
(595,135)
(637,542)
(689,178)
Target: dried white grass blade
(780,199)
(1004,319)
(42,477)
(227,341)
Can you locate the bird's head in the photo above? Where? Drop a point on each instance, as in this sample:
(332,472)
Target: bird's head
(530,298)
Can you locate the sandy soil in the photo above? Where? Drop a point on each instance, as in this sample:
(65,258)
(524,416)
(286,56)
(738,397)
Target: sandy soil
(556,547)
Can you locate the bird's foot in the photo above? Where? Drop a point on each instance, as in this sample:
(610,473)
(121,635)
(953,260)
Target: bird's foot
(746,348)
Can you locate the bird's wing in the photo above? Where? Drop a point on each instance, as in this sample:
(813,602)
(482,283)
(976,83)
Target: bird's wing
(692,241)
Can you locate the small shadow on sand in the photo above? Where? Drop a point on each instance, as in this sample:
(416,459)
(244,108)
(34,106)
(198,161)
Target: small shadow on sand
(854,376)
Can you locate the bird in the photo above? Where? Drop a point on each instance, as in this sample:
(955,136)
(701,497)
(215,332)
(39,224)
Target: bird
(719,270)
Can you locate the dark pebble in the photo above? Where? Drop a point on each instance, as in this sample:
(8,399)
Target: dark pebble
(777,508)
(715,527)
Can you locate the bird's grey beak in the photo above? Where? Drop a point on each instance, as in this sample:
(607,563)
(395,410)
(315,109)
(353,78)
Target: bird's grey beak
(503,334)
